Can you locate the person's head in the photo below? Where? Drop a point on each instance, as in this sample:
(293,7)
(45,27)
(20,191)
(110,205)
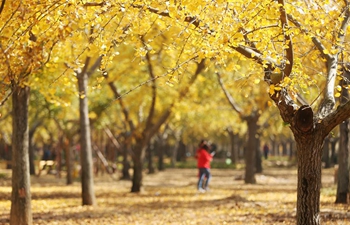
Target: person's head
(206,147)
(201,143)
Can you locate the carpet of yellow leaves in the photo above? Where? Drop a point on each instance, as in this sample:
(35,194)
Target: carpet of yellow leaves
(170,197)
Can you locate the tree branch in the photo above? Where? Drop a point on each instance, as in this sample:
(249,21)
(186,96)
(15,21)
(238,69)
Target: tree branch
(335,117)
(94,66)
(121,103)
(287,38)
(228,96)
(154,88)
(167,113)
(2,6)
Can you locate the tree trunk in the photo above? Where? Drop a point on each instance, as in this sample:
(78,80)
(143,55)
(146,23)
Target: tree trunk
(150,150)
(126,164)
(88,194)
(343,169)
(343,153)
(174,154)
(309,147)
(69,161)
(250,153)
(234,152)
(31,155)
(21,212)
(258,160)
(138,157)
(325,153)
(160,147)
(333,151)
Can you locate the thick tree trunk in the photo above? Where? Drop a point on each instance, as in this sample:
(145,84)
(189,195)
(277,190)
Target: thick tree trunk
(21,212)
(250,153)
(87,184)
(343,169)
(309,143)
(309,149)
(138,157)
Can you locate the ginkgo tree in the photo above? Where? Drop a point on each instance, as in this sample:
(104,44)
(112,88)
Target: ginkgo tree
(28,33)
(285,40)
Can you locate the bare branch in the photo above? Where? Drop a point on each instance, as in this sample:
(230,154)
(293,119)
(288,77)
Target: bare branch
(229,96)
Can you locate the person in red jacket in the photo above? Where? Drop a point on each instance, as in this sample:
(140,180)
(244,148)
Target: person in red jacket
(203,163)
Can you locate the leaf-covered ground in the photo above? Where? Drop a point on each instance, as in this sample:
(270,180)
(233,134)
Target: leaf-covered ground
(170,197)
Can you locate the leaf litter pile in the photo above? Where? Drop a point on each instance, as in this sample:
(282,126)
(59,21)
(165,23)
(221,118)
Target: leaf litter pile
(170,197)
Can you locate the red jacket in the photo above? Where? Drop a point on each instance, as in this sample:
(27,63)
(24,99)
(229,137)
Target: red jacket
(203,158)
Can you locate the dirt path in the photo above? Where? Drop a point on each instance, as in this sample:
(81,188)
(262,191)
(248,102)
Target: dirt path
(170,197)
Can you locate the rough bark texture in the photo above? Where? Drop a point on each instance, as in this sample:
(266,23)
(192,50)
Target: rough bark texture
(309,179)
(21,213)
(88,193)
(309,152)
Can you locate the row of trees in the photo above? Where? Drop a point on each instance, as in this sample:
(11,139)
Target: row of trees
(129,50)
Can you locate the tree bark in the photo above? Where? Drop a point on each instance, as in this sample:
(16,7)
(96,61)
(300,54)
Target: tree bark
(234,152)
(160,149)
(309,143)
(258,155)
(21,212)
(250,153)
(343,184)
(343,170)
(325,153)
(150,150)
(309,178)
(138,157)
(88,193)
(126,163)
(69,164)
(31,154)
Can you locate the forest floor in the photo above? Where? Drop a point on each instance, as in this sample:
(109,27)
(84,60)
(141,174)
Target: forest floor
(170,197)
